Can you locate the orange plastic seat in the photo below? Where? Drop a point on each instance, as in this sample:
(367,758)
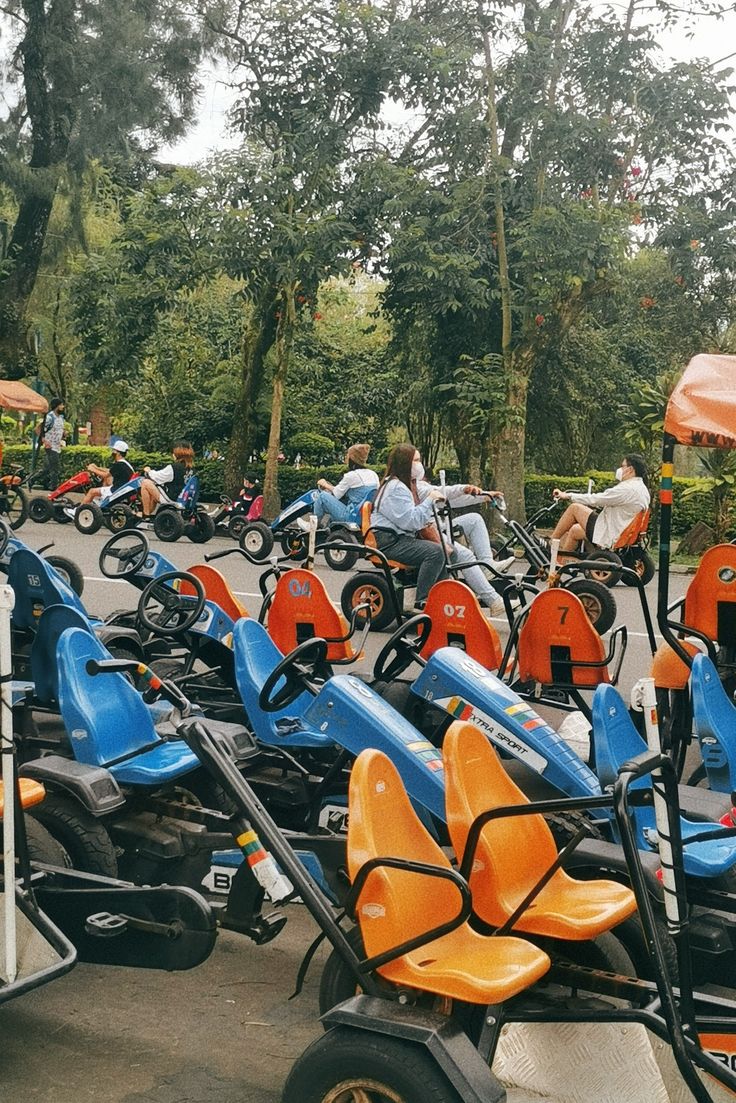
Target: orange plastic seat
(668,669)
(555,637)
(710,602)
(634,531)
(458,621)
(31,792)
(513,854)
(301,609)
(216,589)
(396,905)
(369,536)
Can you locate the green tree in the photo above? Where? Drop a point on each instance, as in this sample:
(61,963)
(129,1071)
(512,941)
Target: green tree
(90,79)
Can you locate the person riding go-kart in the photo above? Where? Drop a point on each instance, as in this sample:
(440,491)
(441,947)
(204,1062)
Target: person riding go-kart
(57,505)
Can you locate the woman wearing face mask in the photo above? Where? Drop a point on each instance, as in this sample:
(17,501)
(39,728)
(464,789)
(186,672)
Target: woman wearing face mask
(401,512)
(601,518)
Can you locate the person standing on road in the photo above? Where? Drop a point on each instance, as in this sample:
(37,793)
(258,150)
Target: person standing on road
(53,442)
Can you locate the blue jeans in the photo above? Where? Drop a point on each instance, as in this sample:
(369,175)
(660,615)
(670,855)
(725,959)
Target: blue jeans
(334,507)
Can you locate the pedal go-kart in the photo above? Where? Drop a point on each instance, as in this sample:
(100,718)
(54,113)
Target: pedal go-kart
(257,538)
(52,506)
(67,568)
(233,514)
(436,991)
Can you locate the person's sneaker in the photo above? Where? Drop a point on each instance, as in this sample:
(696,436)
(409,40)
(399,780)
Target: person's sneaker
(145,523)
(503,564)
(69,511)
(496,608)
(515,604)
(303,523)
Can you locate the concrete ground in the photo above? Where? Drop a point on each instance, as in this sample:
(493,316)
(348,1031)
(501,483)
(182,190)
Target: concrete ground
(223,1033)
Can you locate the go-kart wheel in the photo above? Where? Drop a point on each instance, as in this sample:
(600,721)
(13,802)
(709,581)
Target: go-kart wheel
(14,504)
(43,847)
(164,611)
(305,662)
(84,838)
(58,514)
(88,518)
(609,572)
(119,518)
(346,1064)
(124,554)
(201,528)
(369,588)
(338,559)
(402,648)
(68,570)
(40,510)
(4,535)
(168,525)
(597,600)
(236,525)
(641,562)
(293,543)
(256,538)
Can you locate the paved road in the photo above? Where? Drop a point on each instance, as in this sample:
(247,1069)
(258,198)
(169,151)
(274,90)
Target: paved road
(225,1033)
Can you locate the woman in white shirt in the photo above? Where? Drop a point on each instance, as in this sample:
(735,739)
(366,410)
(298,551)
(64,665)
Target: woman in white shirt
(343,501)
(601,518)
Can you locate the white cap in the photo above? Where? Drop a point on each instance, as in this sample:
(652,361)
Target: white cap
(120,446)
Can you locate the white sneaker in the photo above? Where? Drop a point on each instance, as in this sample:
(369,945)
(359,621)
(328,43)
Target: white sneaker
(515,604)
(503,564)
(497,609)
(303,523)
(69,511)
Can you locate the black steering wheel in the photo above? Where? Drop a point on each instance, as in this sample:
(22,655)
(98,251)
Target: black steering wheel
(402,648)
(4,536)
(124,554)
(166,612)
(301,665)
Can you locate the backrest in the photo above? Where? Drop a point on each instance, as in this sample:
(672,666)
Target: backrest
(189,495)
(555,635)
(710,602)
(714,719)
(54,620)
(503,871)
(634,531)
(37,585)
(458,621)
(615,739)
(256,510)
(216,589)
(105,718)
(369,537)
(395,905)
(301,609)
(668,669)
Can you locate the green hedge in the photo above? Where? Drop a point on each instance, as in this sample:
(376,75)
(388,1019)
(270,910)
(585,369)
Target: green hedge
(293,482)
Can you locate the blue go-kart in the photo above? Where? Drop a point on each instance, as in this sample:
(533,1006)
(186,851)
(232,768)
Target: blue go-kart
(257,538)
(66,568)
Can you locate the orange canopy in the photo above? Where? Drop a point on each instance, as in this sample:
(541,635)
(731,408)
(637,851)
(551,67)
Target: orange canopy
(702,408)
(16,396)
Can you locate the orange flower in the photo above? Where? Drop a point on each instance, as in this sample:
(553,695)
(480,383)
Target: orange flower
(647,303)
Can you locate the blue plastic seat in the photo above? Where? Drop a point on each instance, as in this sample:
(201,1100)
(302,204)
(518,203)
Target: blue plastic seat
(616,741)
(714,719)
(108,722)
(37,585)
(54,620)
(256,655)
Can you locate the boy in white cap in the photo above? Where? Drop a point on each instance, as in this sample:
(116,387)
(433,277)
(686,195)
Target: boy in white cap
(113,477)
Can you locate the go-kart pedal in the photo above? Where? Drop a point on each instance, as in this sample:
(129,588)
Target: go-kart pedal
(263,930)
(105,925)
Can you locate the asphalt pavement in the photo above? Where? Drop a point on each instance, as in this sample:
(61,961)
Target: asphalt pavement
(226,1032)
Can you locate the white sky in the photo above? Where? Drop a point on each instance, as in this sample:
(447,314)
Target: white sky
(712,38)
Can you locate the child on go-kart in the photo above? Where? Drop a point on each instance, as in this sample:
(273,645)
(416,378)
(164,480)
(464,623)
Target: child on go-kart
(113,477)
(600,519)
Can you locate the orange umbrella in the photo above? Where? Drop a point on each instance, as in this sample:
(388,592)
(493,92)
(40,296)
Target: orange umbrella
(17,396)
(702,408)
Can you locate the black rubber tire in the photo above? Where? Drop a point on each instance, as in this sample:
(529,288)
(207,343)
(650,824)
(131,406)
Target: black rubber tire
(608,575)
(236,525)
(598,601)
(69,571)
(168,525)
(40,510)
(18,502)
(644,565)
(630,934)
(383,1068)
(167,668)
(43,847)
(565,826)
(200,529)
(84,838)
(370,587)
(119,518)
(341,560)
(88,518)
(293,544)
(337,983)
(59,516)
(256,538)
(604,952)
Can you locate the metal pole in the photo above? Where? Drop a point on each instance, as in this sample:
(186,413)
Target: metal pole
(7,600)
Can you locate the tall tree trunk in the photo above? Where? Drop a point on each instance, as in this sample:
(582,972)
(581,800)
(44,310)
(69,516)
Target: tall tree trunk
(284,343)
(507,448)
(258,338)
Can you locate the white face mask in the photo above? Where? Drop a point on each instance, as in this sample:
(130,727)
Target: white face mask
(417,471)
